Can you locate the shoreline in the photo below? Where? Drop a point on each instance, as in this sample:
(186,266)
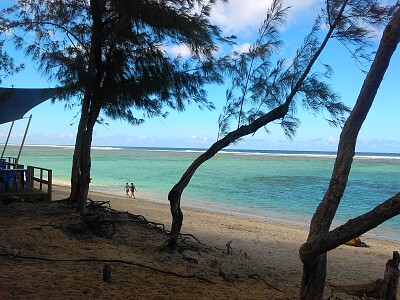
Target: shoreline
(384,233)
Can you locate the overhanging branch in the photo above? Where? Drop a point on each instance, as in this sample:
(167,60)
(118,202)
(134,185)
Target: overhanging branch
(354,227)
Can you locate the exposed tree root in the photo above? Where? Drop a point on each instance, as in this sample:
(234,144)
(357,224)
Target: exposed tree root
(115,261)
(104,207)
(370,289)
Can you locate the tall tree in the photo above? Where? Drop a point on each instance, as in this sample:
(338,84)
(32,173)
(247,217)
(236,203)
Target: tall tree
(320,238)
(111,55)
(268,94)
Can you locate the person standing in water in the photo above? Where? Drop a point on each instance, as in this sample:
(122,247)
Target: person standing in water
(133,189)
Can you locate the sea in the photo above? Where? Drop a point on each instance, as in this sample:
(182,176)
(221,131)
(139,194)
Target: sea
(283,186)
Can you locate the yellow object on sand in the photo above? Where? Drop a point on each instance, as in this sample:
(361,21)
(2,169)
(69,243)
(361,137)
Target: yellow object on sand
(356,242)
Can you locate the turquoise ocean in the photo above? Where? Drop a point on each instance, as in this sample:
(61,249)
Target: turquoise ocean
(279,185)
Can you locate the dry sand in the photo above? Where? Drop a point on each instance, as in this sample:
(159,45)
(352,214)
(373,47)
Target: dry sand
(47,252)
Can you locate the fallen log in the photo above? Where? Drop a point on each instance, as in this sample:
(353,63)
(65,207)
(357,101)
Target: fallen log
(385,288)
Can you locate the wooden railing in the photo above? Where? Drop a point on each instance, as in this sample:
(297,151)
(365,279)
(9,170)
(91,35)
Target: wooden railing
(42,179)
(10,160)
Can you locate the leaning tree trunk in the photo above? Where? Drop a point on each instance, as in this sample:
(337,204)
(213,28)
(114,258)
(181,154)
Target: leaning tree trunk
(175,194)
(326,211)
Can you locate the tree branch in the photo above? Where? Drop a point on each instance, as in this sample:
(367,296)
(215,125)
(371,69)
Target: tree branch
(62,28)
(352,228)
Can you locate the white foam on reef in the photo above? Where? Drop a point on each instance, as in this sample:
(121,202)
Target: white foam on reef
(106,148)
(51,146)
(274,153)
(377,156)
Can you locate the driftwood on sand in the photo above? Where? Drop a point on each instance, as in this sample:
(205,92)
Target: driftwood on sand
(385,288)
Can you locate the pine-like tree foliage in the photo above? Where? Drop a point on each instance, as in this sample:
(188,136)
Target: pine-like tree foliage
(120,46)
(7,65)
(261,81)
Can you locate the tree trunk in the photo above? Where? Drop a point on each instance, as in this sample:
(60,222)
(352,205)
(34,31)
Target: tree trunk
(391,278)
(85,165)
(177,219)
(85,162)
(322,219)
(313,279)
(80,177)
(76,168)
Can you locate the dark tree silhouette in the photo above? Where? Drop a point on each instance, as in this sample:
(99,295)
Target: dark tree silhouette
(110,54)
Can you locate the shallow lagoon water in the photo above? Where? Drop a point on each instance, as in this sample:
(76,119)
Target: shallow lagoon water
(262,184)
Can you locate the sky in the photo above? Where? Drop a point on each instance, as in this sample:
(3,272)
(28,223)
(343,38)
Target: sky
(53,124)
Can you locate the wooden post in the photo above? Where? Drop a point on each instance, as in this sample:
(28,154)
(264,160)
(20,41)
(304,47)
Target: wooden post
(391,279)
(49,183)
(30,176)
(8,137)
(23,140)
(41,180)
(107,273)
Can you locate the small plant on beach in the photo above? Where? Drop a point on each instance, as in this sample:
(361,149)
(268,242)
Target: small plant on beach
(110,57)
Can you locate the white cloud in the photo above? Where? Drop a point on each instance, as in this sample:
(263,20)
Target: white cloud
(332,139)
(242,48)
(197,141)
(240,16)
(176,50)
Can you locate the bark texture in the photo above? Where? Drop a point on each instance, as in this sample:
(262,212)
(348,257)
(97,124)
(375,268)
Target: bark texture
(391,278)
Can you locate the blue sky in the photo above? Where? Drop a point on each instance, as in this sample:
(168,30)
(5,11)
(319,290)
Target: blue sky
(198,128)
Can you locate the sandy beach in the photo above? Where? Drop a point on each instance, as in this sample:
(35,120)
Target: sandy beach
(44,256)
